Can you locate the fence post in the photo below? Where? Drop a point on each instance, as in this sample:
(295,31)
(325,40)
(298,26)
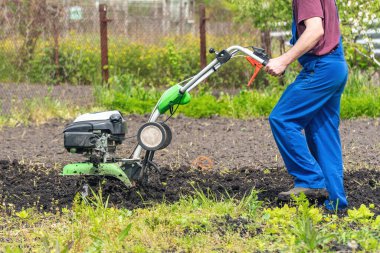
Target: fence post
(104,42)
(180,17)
(56,30)
(202,33)
(282,51)
(266,42)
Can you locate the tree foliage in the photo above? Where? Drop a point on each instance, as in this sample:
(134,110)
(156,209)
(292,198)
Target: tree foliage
(265,14)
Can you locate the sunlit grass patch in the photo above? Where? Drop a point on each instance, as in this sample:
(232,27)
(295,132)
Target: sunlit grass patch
(198,223)
(41,110)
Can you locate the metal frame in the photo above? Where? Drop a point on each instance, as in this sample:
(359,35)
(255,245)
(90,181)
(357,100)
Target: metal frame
(135,167)
(197,79)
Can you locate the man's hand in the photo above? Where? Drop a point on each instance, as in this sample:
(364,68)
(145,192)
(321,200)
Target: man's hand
(313,33)
(276,66)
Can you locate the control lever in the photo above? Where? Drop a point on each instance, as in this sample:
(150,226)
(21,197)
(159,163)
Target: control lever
(260,52)
(222,56)
(257,65)
(258,49)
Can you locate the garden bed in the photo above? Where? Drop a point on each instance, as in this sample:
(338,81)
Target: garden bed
(243,153)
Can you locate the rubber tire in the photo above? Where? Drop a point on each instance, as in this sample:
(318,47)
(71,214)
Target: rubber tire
(169,135)
(164,136)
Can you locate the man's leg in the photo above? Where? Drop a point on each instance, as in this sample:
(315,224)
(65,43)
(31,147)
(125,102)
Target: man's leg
(291,142)
(322,134)
(299,104)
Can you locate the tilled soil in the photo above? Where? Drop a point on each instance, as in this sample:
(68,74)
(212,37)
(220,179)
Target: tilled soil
(243,152)
(25,185)
(230,143)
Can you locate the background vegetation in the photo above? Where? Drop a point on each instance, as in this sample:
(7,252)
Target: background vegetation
(140,73)
(358,99)
(158,65)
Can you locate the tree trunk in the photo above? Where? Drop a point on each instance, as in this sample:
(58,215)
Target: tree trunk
(33,15)
(266,44)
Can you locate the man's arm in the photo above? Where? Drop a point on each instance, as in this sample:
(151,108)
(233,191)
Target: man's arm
(309,38)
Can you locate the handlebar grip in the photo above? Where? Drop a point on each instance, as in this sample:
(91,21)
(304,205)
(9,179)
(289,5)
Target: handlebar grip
(259,52)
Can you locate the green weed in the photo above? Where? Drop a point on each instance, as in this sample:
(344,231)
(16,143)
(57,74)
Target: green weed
(308,235)
(198,223)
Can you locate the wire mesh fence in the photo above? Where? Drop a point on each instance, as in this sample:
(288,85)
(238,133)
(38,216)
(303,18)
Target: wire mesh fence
(50,42)
(145,21)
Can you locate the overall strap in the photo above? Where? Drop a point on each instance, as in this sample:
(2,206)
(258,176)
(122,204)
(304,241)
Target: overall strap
(293,40)
(339,49)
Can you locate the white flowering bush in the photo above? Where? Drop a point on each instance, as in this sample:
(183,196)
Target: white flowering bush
(360,21)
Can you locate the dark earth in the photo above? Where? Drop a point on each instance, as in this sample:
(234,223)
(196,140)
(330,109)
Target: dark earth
(243,152)
(231,143)
(25,185)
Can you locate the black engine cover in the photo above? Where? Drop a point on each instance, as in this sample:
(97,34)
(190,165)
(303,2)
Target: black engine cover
(81,135)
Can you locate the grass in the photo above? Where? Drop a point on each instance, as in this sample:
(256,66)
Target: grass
(199,223)
(41,110)
(361,98)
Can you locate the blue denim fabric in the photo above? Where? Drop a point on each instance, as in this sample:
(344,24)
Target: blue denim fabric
(305,124)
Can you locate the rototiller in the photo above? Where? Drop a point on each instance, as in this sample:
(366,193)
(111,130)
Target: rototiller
(96,135)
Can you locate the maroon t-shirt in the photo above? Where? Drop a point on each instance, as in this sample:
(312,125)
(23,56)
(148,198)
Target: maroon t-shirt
(326,9)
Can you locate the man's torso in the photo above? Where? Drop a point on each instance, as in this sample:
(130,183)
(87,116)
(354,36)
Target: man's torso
(326,9)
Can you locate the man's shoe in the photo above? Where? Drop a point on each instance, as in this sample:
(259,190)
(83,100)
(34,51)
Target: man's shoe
(309,193)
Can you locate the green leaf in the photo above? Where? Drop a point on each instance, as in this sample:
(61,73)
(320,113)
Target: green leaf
(22,214)
(124,233)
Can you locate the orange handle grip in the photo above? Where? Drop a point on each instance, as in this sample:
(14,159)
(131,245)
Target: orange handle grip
(257,67)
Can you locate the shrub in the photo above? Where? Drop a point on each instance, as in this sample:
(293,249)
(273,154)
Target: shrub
(163,64)
(360,98)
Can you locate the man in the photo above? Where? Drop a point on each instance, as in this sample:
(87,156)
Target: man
(312,103)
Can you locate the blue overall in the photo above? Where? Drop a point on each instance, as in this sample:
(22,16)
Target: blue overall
(312,103)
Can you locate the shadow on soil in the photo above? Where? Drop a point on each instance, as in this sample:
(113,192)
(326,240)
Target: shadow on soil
(30,185)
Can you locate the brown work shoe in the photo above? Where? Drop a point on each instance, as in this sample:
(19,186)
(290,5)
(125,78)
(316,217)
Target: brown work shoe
(309,193)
